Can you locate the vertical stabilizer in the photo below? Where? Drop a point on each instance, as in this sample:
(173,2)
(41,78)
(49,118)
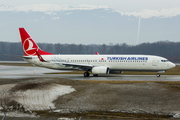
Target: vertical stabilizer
(29,45)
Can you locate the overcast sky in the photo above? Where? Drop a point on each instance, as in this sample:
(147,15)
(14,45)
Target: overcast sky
(144,9)
(119,5)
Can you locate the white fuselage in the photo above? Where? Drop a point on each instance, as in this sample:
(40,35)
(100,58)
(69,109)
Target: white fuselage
(113,62)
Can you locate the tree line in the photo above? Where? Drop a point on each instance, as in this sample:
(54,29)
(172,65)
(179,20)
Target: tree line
(167,49)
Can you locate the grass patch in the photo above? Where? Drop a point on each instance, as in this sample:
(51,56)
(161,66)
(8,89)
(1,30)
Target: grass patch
(114,82)
(104,115)
(16,64)
(172,85)
(132,82)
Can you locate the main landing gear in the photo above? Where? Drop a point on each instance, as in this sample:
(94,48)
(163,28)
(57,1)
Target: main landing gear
(86,74)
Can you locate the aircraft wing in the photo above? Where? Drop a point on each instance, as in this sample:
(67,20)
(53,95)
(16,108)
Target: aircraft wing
(83,67)
(77,66)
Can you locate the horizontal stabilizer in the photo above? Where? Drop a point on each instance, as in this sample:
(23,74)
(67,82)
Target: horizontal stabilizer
(18,56)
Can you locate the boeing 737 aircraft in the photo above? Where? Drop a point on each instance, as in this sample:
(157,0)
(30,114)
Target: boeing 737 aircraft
(95,64)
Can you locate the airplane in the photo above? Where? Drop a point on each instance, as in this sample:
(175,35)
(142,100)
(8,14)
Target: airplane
(95,64)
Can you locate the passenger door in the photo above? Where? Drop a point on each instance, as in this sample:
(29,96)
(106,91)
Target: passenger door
(154,63)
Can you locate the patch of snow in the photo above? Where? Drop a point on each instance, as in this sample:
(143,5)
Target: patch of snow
(35,99)
(176,114)
(48,7)
(146,13)
(18,114)
(42,99)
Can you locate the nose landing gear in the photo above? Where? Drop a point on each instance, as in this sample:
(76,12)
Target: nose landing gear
(158,75)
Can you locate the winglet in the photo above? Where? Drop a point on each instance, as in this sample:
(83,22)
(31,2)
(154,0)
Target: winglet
(39,56)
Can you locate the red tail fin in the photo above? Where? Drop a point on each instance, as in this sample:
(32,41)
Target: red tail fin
(29,46)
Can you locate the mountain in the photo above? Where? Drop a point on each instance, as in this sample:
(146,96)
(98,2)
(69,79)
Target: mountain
(85,25)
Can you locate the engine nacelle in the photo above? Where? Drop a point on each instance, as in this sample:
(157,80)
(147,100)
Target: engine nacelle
(100,70)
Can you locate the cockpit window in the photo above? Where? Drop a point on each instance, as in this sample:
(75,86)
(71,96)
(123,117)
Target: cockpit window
(164,60)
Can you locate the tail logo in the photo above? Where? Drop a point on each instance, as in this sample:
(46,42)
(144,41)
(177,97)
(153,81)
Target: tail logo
(29,47)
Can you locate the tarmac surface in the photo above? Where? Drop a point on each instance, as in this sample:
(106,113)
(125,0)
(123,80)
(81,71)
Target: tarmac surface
(15,72)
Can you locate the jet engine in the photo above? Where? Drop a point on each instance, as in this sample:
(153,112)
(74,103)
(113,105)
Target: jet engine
(100,70)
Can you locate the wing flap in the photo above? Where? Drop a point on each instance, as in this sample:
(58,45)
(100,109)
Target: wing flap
(75,65)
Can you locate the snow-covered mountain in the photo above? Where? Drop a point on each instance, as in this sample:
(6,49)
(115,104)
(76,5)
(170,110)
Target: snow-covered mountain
(88,24)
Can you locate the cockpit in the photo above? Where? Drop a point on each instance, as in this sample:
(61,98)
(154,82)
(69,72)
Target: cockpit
(164,60)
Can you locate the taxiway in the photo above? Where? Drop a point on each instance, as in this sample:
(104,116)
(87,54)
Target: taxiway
(15,72)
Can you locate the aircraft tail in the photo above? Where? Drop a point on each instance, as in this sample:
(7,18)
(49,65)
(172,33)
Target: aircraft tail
(29,45)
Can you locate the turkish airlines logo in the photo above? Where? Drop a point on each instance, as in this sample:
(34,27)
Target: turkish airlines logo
(29,47)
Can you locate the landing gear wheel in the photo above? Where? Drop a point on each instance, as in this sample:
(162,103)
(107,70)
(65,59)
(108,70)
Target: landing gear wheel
(158,75)
(86,74)
(95,75)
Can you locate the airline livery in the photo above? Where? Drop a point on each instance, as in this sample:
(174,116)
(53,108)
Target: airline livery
(95,64)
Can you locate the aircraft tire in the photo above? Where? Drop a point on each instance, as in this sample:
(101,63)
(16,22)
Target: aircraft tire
(86,74)
(158,75)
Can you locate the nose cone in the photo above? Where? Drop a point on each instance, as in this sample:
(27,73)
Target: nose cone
(171,65)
